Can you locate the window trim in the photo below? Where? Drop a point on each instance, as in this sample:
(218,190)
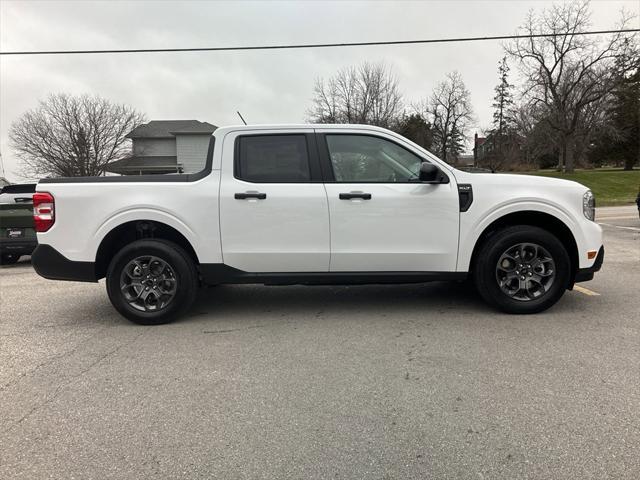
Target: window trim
(312,156)
(327,165)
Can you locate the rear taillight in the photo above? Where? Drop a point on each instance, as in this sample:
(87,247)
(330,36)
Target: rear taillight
(43,211)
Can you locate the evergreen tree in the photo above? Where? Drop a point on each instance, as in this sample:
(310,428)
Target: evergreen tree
(415,128)
(503,102)
(503,126)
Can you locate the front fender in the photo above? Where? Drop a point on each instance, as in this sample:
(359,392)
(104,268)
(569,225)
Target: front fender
(473,226)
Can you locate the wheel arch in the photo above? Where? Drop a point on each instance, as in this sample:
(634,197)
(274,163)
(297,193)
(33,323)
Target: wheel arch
(534,218)
(130,231)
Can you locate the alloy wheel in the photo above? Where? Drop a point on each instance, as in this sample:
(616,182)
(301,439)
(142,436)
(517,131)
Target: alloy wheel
(525,271)
(148,283)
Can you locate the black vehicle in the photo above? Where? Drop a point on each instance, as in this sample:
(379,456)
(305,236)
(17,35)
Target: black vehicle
(17,233)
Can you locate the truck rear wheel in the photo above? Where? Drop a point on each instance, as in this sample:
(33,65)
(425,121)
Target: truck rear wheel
(522,269)
(151,282)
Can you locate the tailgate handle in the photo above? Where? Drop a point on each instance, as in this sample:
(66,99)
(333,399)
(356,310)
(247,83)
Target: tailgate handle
(245,195)
(349,196)
(23,199)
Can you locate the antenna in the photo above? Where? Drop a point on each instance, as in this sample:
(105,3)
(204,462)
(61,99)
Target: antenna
(241,117)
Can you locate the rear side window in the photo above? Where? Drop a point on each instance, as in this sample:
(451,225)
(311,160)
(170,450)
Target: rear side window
(273,159)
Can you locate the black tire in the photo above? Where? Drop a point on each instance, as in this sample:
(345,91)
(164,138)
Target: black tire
(492,250)
(9,258)
(181,267)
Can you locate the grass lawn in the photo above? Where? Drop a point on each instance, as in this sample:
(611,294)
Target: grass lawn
(610,186)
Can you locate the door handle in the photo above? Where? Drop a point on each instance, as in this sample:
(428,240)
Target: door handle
(349,196)
(245,195)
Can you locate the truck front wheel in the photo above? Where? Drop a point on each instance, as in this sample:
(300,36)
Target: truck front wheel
(151,282)
(522,269)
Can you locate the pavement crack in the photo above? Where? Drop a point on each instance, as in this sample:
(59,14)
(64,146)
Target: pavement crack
(244,328)
(71,380)
(233,329)
(48,361)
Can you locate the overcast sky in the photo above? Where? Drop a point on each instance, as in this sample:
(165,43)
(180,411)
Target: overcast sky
(266,86)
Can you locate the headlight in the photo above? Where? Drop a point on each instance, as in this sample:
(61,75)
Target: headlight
(589,205)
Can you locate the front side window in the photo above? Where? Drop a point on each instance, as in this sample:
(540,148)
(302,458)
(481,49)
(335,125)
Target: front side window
(364,158)
(273,159)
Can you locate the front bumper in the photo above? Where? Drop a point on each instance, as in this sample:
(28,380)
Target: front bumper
(51,264)
(586,274)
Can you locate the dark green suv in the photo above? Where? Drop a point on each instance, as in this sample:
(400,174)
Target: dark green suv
(17,234)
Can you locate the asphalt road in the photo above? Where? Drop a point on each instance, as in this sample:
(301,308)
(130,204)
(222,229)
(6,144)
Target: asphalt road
(380,382)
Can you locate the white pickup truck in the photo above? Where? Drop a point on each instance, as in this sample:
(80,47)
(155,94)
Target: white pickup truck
(316,204)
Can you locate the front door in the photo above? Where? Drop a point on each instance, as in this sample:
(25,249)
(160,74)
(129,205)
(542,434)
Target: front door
(273,206)
(382,219)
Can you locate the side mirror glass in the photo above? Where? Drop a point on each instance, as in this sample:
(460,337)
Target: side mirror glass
(429,173)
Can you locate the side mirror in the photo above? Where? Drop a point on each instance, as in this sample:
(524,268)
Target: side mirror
(429,173)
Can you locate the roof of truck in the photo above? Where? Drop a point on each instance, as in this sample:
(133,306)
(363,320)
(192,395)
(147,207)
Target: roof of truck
(285,126)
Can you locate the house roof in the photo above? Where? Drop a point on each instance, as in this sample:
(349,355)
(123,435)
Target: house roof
(149,164)
(169,128)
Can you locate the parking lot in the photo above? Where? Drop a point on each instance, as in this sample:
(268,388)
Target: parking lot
(381,382)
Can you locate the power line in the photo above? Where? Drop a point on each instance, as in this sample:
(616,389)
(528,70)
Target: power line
(311,45)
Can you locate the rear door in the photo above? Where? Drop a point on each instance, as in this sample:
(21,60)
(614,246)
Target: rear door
(382,218)
(274,214)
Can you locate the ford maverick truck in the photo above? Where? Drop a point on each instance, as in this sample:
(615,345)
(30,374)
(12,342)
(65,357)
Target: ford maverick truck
(314,205)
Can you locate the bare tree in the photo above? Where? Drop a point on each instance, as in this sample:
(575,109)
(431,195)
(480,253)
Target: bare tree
(450,113)
(539,141)
(72,136)
(366,94)
(567,73)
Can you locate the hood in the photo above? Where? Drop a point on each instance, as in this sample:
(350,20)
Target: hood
(513,180)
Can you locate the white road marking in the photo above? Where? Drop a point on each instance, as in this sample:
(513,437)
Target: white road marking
(614,217)
(633,229)
(586,291)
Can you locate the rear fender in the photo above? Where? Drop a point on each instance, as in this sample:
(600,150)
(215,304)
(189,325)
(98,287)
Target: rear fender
(139,214)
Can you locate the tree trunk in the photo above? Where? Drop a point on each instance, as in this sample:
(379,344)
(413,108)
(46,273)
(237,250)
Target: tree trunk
(563,154)
(569,154)
(629,162)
